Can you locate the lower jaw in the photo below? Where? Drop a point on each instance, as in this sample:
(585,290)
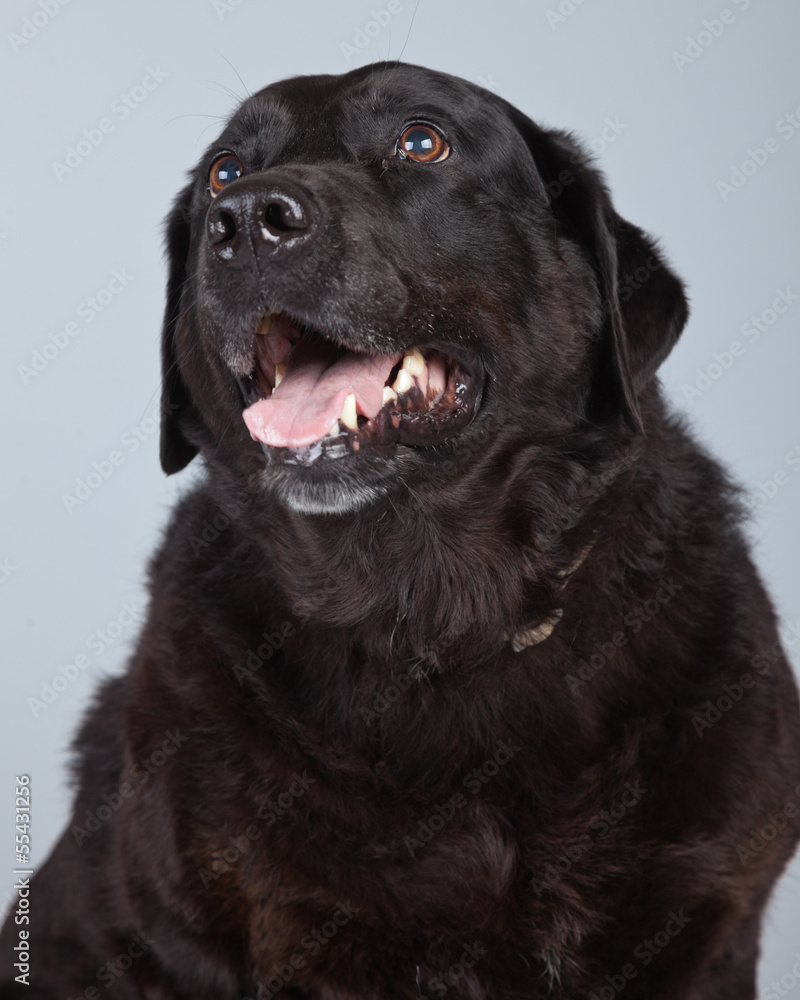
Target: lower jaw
(331,448)
(338,487)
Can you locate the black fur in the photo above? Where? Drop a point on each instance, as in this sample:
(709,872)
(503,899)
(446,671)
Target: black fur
(326,773)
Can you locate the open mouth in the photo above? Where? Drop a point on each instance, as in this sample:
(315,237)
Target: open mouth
(308,397)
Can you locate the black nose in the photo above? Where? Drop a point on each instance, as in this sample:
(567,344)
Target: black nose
(261,216)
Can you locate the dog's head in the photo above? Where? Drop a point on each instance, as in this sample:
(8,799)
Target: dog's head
(381,278)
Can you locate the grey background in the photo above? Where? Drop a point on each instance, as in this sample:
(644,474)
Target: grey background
(678,131)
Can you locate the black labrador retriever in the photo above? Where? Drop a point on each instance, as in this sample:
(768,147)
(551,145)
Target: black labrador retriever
(457,678)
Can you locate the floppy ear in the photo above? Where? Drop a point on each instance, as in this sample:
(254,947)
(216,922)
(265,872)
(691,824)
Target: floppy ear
(644,303)
(176,402)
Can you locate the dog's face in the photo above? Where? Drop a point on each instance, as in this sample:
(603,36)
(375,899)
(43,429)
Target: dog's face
(385,278)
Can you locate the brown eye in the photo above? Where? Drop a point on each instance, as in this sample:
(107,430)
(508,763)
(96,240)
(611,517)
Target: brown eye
(423,144)
(224,170)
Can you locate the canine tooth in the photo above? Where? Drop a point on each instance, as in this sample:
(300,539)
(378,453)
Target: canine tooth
(267,324)
(413,362)
(280,371)
(389,395)
(348,415)
(334,430)
(437,377)
(403,382)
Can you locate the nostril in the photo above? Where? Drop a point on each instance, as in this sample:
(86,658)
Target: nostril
(284,217)
(222,227)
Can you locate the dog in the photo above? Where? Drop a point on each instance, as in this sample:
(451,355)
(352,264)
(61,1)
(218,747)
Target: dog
(457,678)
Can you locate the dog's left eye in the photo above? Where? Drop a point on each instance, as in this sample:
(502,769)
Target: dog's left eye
(224,170)
(422,143)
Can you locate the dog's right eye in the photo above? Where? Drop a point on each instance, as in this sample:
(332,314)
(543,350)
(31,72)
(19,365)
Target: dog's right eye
(225,169)
(422,143)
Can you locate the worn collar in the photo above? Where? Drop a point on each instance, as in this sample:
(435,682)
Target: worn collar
(537,632)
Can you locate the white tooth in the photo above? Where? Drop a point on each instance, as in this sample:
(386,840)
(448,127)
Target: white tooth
(334,430)
(348,415)
(267,324)
(389,395)
(403,382)
(413,362)
(280,371)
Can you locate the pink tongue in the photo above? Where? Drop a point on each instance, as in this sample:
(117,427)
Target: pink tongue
(311,395)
